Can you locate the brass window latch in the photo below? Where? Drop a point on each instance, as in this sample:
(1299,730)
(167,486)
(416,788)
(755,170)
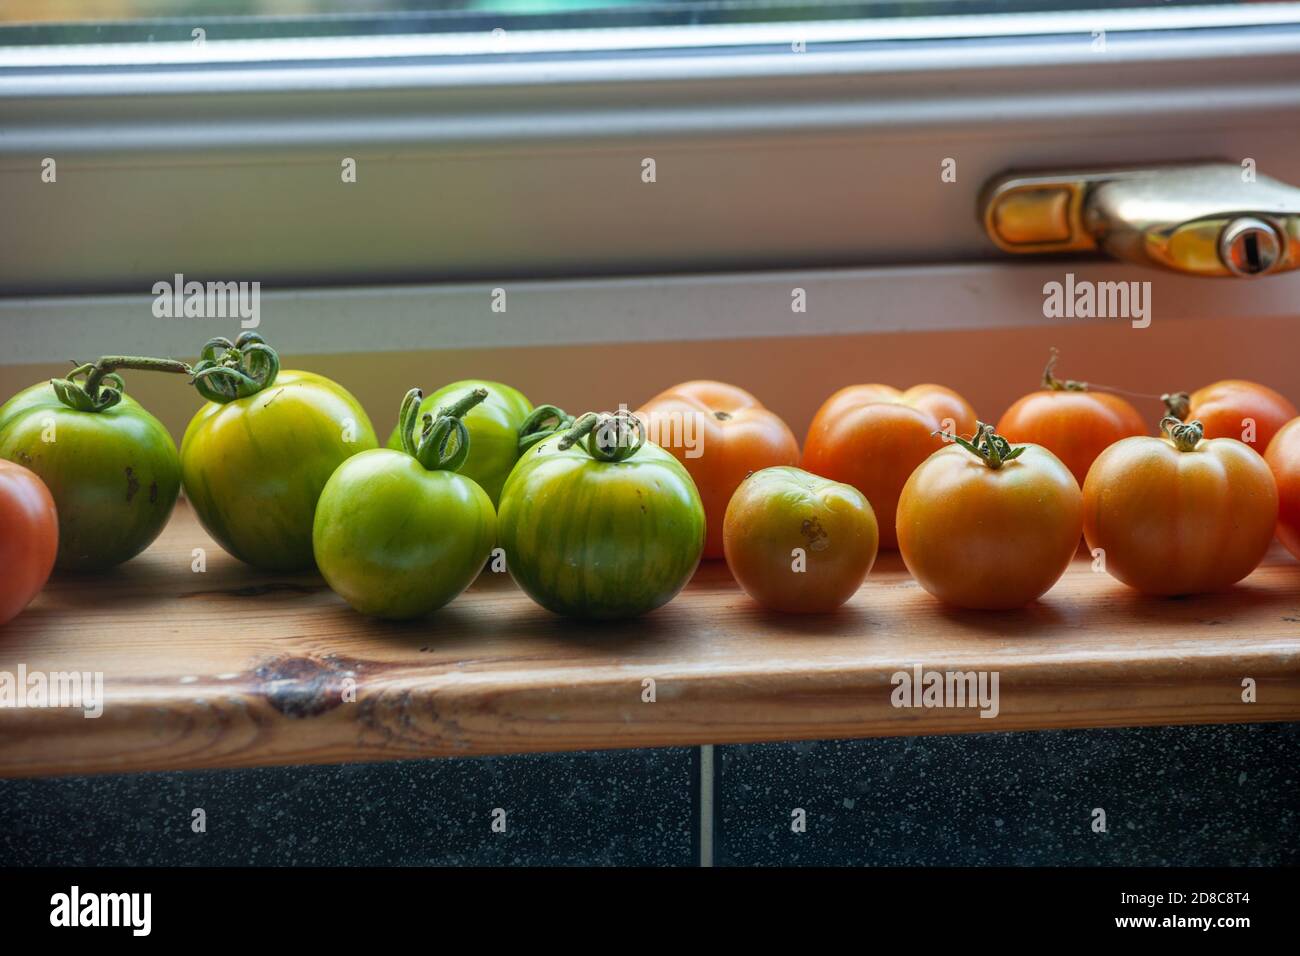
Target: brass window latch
(1207,219)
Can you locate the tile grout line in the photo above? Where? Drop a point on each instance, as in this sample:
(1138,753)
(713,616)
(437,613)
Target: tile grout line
(706,805)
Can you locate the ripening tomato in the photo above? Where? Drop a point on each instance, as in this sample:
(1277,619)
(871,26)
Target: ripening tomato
(400,533)
(597,525)
(110,466)
(1071,421)
(873,436)
(720,433)
(255,458)
(1283,457)
(29,538)
(797,542)
(1233,408)
(499,429)
(1180,514)
(989,526)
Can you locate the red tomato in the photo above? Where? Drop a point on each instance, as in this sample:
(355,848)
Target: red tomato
(1233,408)
(30,538)
(1283,457)
(1073,423)
(720,433)
(1180,514)
(873,436)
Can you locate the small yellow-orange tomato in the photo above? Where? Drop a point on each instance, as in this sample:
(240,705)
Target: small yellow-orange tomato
(989,538)
(797,542)
(1180,514)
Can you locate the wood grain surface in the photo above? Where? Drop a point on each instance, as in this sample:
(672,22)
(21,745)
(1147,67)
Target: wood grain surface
(233,667)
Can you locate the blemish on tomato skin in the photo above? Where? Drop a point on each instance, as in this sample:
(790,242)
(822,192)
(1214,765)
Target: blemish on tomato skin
(132,484)
(812,530)
(153,492)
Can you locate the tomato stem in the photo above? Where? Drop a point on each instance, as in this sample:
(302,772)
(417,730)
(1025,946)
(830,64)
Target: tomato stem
(406,419)
(430,446)
(1177,405)
(103,387)
(1185,436)
(986,445)
(458,408)
(606,436)
(1054,384)
(228,370)
(543,422)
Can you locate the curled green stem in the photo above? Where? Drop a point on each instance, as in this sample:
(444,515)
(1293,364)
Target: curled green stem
(1054,384)
(432,446)
(102,387)
(543,422)
(606,436)
(406,419)
(228,370)
(1185,435)
(988,446)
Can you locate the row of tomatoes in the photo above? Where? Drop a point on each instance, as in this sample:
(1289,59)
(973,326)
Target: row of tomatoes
(989,517)
(282,468)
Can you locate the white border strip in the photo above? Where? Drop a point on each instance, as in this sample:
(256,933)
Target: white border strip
(611,311)
(647,38)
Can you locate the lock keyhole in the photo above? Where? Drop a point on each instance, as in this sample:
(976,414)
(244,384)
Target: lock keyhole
(1252,251)
(1249,246)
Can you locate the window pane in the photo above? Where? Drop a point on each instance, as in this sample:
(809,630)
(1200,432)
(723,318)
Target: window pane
(133,21)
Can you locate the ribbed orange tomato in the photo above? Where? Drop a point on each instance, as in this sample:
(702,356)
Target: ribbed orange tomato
(987,526)
(1283,457)
(1180,514)
(1071,421)
(1234,408)
(873,436)
(720,433)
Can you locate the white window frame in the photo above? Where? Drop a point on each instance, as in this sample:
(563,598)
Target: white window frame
(526,165)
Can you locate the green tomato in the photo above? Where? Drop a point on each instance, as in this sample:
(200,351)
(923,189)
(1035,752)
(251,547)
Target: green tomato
(254,467)
(113,473)
(396,540)
(493,427)
(600,539)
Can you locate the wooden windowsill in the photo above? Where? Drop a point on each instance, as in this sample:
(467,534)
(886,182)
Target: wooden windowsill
(232,667)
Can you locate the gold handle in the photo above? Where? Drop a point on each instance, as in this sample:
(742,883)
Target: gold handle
(1207,219)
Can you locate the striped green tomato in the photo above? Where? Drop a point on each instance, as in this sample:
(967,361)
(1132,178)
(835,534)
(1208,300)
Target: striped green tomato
(597,527)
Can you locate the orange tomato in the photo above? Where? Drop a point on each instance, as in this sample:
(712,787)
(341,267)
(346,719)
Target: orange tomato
(873,436)
(1233,408)
(1283,457)
(987,526)
(720,433)
(799,543)
(29,539)
(1075,424)
(1180,514)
